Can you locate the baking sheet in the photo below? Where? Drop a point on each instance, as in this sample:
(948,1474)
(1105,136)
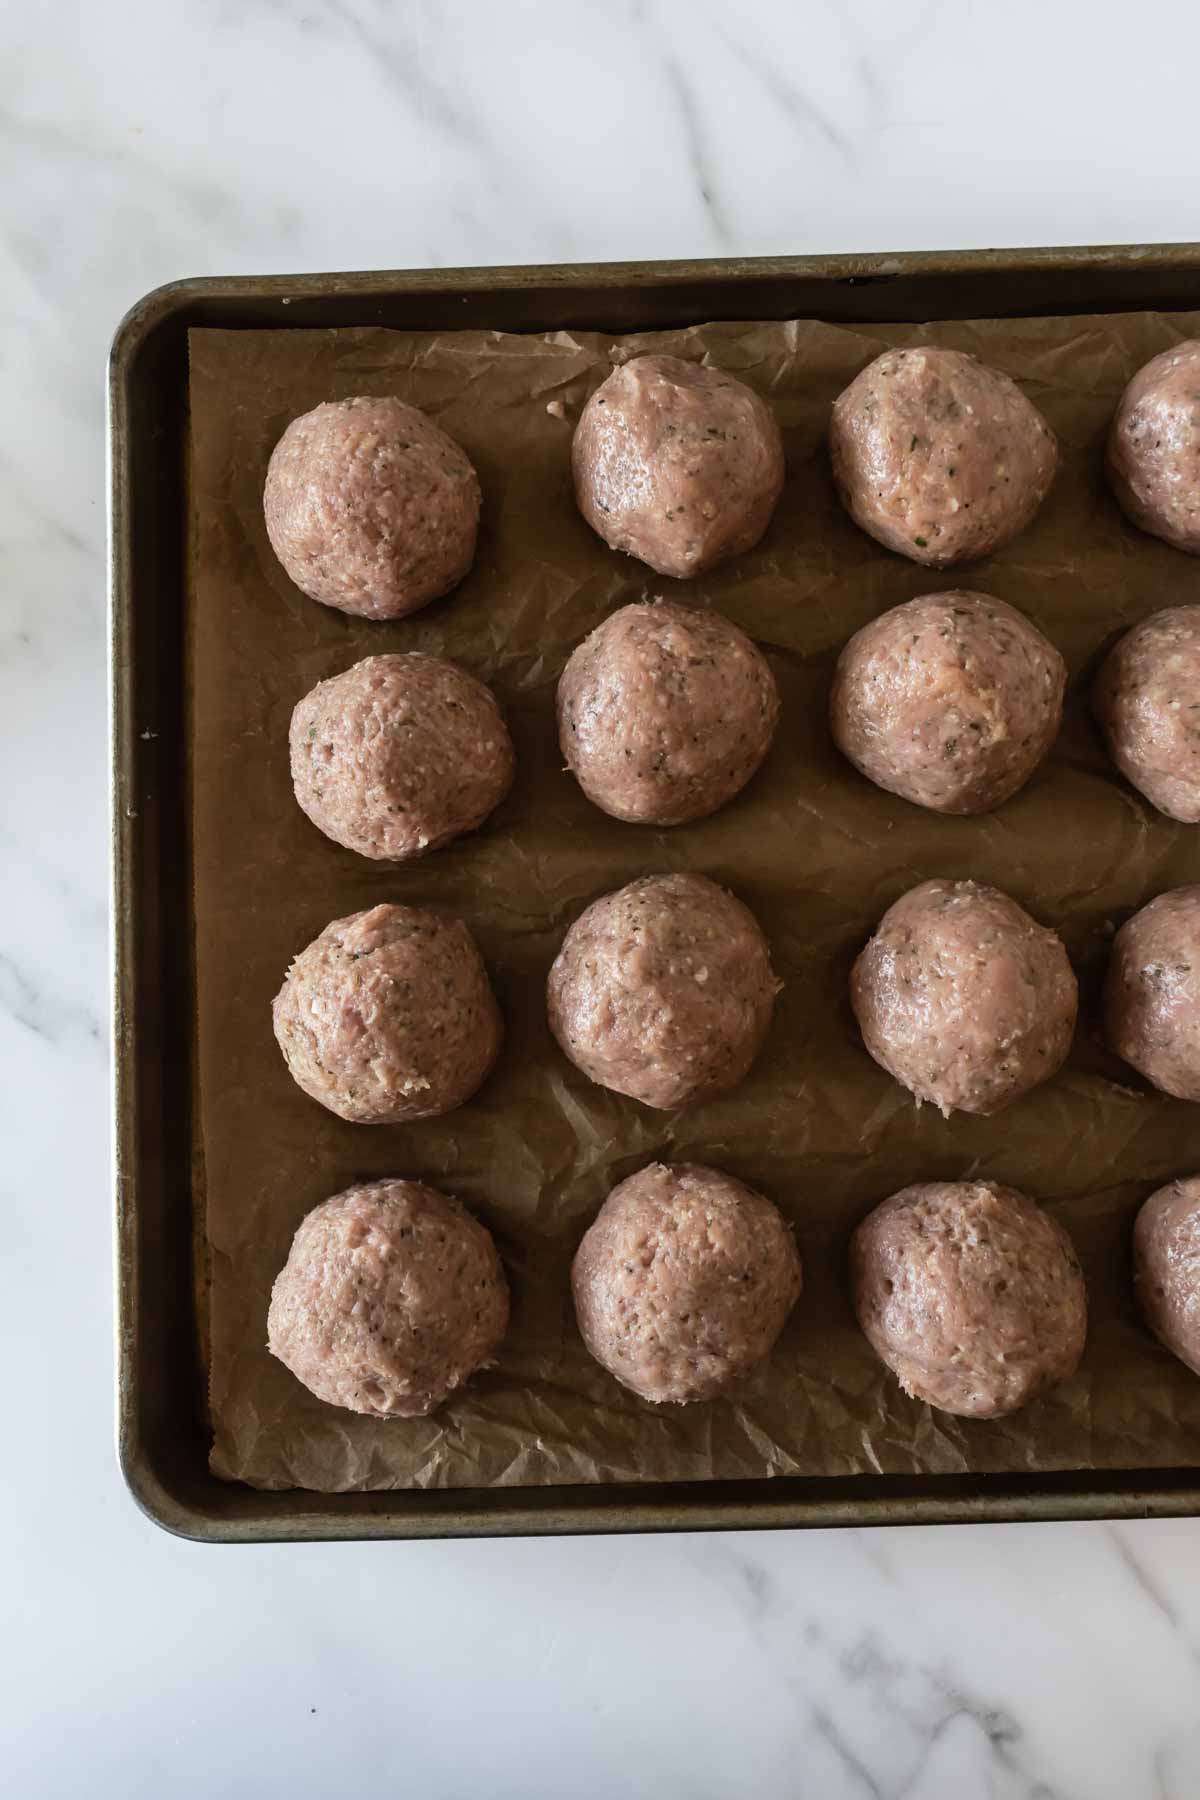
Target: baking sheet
(816,851)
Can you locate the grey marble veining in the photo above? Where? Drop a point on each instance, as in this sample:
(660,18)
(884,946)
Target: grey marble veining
(154,140)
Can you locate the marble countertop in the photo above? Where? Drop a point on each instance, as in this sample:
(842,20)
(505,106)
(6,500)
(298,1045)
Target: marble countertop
(184,137)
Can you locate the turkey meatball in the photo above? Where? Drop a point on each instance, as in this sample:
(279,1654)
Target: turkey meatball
(663,990)
(371,507)
(971,1294)
(951,701)
(939,457)
(388,1016)
(677,463)
(665,713)
(1148,705)
(391,1297)
(684,1281)
(1154,448)
(1152,996)
(1166,1264)
(399,754)
(963,998)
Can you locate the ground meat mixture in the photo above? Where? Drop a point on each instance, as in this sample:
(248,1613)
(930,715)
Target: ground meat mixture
(1154,448)
(664,713)
(399,754)
(951,700)
(371,507)
(677,464)
(1148,704)
(1166,1262)
(684,1281)
(391,1297)
(1152,996)
(388,1015)
(663,990)
(963,997)
(971,1294)
(938,456)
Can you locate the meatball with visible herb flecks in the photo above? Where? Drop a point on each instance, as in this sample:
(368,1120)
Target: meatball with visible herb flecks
(683,1282)
(665,712)
(963,998)
(971,1294)
(939,457)
(677,463)
(388,1015)
(1147,702)
(663,990)
(371,507)
(1152,995)
(1166,1264)
(950,700)
(399,754)
(1154,448)
(391,1297)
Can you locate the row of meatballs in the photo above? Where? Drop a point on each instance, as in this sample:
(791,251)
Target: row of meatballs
(665,712)
(374,509)
(664,991)
(969,1292)
(392,1294)
(950,701)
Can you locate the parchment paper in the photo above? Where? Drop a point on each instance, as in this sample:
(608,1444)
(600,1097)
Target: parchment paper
(815,850)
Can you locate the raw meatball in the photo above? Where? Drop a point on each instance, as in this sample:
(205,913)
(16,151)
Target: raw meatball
(665,713)
(388,1016)
(1166,1263)
(951,701)
(684,1281)
(370,507)
(939,457)
(663,990)
(1148,705)
(676,463)
(971,1294)
(1152,998)
(1154,448)
(391,1297)
(963,998)
(399,755)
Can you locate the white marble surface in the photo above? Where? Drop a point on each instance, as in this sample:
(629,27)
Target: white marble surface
(171,137)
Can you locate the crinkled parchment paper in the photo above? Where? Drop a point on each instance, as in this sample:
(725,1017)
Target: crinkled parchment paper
(815,850)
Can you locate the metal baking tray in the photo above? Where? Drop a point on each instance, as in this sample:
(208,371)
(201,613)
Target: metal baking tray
(163,1437)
